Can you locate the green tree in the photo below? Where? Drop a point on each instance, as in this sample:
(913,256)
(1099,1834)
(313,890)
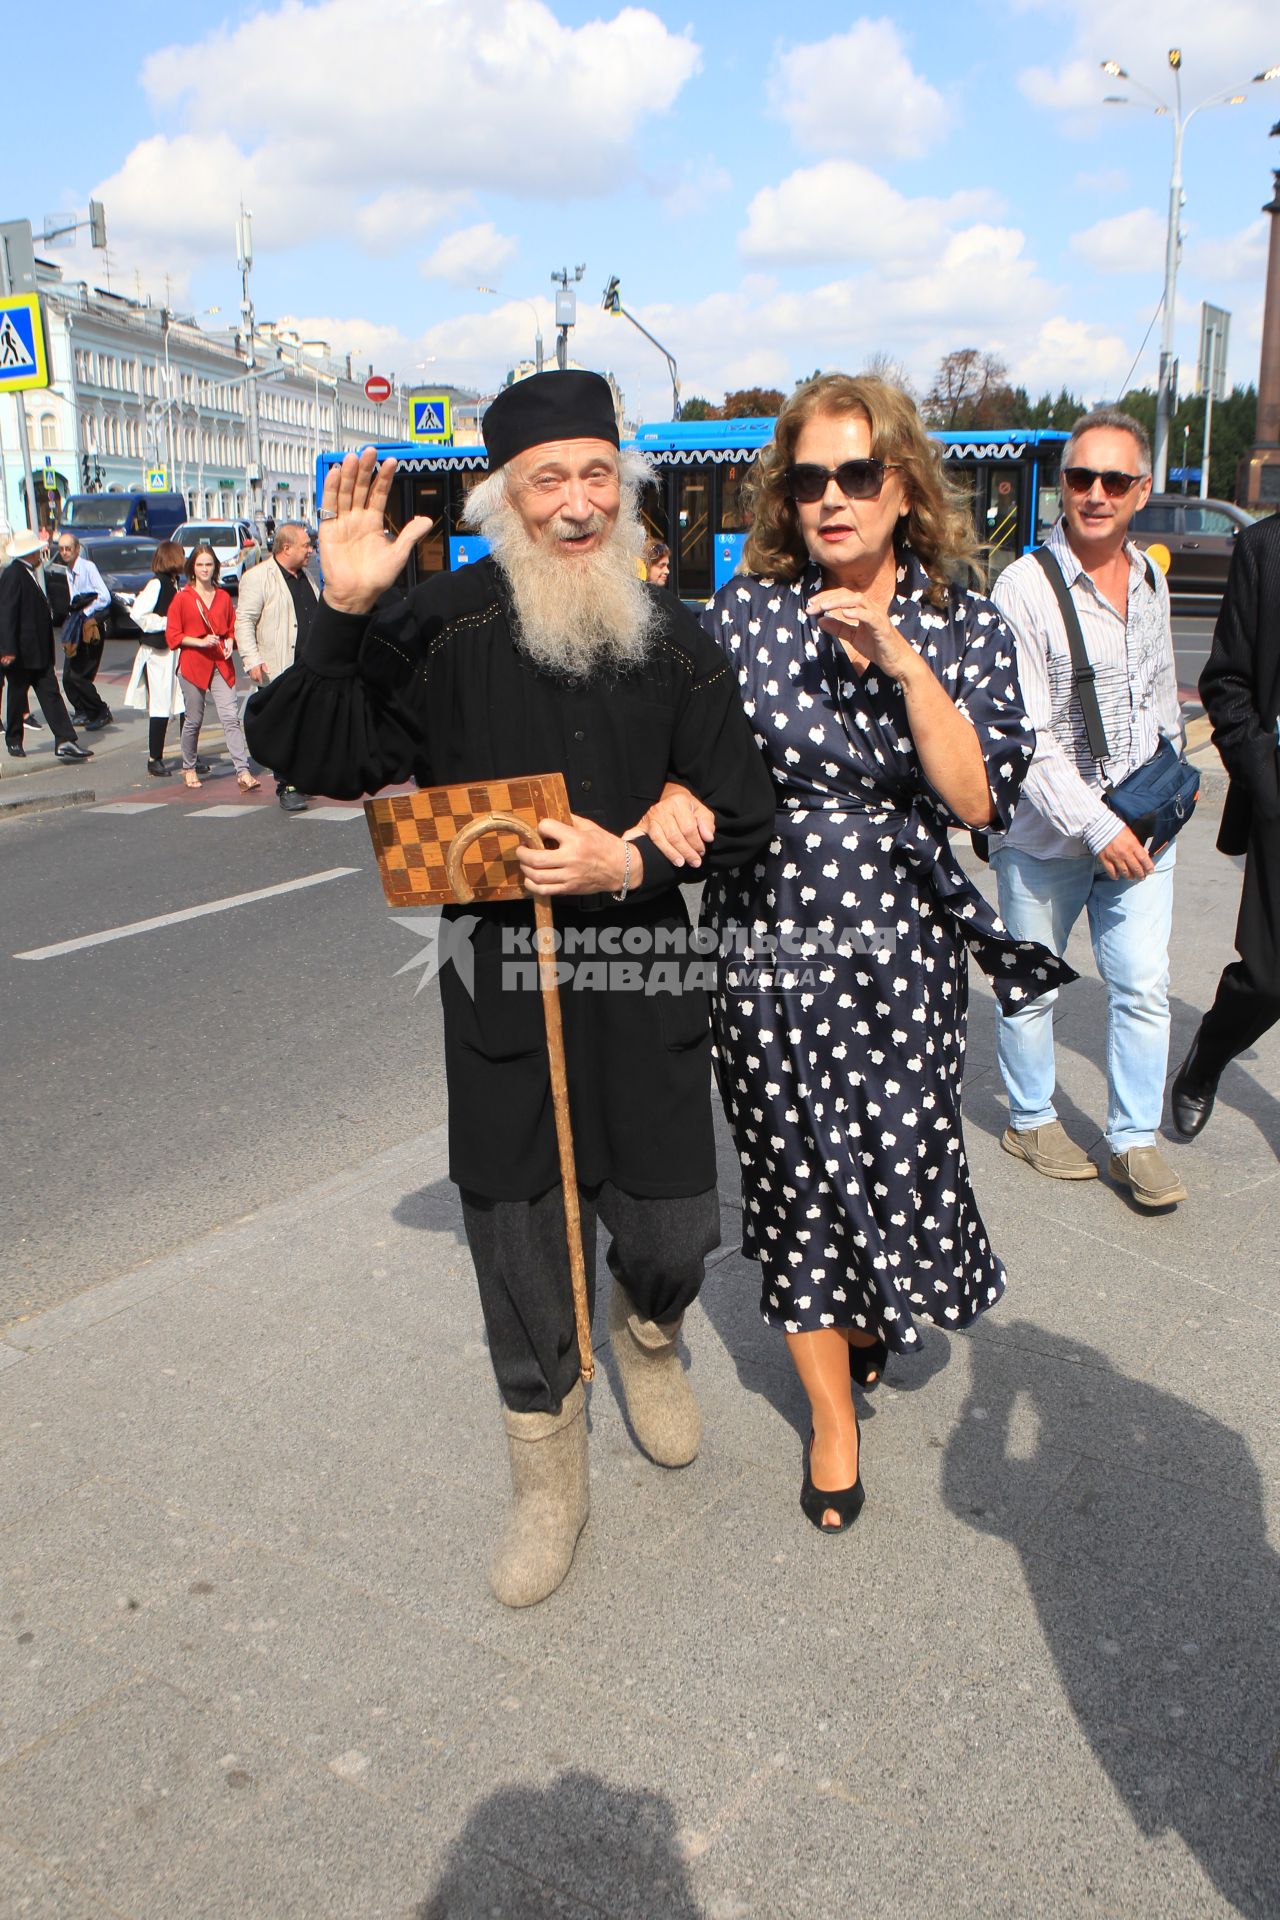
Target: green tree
(696,408)
(750,402)
(970,389)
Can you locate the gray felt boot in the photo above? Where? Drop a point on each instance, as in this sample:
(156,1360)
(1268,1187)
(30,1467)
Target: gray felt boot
(550,1501)
(660,1402)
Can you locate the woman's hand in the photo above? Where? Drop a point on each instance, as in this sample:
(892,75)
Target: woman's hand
(678,824)
(865,632)
(359,558)
(579,857)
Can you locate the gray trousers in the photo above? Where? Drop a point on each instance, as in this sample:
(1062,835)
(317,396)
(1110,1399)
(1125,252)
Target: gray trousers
(658,1252)
(224,699)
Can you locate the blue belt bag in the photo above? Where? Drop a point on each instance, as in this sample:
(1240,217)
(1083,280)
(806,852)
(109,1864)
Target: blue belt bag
(1158,798)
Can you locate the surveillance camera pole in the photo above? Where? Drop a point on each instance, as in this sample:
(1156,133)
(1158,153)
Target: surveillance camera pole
(566,311)
(244,253)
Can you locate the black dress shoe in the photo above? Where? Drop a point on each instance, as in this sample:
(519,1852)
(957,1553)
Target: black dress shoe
(15,749)
(98,722)
(203,766)
(72,750)
(291,800)
(1195,1087)
(157,769)
(79,719)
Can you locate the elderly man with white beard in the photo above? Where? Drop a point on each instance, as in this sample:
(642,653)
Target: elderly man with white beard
(549,655)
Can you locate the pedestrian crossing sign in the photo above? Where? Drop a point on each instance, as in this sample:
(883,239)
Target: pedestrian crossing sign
(431,418)
(22,356)
(157,479)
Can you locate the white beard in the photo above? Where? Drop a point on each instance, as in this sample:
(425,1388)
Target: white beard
(576,615)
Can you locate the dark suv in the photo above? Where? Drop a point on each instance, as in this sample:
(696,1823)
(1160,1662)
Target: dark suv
(1200,536)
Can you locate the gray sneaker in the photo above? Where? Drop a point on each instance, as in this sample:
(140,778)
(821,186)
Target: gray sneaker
(1050,1150)
(1148,1176)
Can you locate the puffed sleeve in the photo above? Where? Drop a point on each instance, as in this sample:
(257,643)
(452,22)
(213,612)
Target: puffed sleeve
(350,719)
(983,681)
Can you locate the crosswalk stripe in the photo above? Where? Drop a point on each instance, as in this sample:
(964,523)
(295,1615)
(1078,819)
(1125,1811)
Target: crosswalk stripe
(130,806)
(184,913)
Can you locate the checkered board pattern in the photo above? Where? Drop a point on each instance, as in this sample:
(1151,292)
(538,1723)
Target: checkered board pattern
(411,833)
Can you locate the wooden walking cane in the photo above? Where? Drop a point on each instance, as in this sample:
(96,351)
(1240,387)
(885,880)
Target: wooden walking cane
(422,841)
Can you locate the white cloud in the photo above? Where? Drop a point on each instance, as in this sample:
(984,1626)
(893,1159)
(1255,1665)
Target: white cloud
(1221,45)
(858,93)
(841,210)
(1131,242)
(1237,257)
(1089,360)
(471,255)
(291,110)
(700,184)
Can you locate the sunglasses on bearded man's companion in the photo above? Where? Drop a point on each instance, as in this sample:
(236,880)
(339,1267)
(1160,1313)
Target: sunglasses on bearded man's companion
(1115,485)
(856,479)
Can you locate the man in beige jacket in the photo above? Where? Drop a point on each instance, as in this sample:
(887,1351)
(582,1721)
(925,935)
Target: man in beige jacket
(273,615)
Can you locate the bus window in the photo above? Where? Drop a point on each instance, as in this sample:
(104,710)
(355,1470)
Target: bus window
(653,510)
(734,517)
(693,534)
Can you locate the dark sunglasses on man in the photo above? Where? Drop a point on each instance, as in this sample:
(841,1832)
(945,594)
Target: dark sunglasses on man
(856,479)
(1114,485)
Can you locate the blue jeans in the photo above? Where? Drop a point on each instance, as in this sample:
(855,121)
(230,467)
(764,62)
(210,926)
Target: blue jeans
(1129,925)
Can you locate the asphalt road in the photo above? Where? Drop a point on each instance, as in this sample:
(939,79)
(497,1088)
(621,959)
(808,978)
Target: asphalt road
(158,1086)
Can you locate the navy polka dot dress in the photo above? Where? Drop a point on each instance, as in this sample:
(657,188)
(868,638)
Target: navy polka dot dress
(843,984)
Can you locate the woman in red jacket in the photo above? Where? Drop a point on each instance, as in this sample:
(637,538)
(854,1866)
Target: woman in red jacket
(201,624)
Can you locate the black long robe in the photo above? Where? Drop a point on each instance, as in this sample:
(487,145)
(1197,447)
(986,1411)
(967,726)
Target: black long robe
(435,687)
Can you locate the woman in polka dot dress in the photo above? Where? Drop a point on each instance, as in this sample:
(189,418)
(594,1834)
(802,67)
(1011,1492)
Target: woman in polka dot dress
(885,700)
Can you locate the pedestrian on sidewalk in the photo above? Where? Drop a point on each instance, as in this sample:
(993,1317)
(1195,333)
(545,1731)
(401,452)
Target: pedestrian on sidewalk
(153,684)
(886,707)
(1240,687)
(201,624)
(83,636)
(1067,851)
(274,612)
(26,651)
(549,654)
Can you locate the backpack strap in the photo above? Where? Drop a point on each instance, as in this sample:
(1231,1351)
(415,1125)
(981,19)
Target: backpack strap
(1082,674)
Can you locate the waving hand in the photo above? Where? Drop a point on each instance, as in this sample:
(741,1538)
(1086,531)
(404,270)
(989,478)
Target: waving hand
(359,557)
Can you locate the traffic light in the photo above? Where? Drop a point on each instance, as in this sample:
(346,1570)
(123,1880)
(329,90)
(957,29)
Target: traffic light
(97,224)
(612,302)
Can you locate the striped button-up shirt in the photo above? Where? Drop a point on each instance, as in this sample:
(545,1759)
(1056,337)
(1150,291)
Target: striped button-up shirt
(1061,811)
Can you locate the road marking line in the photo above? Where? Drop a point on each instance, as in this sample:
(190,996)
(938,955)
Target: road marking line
(230,810)
(334,813)
(131,806)
(185,913)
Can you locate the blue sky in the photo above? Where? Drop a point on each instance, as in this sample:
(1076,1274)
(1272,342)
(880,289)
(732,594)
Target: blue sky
(776,190)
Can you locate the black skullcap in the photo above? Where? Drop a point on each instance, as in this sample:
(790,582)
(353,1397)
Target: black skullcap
(548,406)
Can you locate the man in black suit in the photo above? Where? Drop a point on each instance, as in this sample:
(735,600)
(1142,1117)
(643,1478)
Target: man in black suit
(1240,687)
(26,652)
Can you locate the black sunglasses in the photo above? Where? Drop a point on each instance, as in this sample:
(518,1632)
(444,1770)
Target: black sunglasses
(1114,485)
(856,479)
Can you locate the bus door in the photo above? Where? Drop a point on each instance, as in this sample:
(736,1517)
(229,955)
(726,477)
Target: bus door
(692,528)
(412,494)
(732,520)
(999,511)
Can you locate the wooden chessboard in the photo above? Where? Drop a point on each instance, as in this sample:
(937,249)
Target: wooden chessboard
(411,833)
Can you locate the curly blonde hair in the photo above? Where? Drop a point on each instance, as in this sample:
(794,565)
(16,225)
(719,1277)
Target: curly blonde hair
(938,525)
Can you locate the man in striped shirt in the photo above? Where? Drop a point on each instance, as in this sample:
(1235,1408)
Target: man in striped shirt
(1067,852)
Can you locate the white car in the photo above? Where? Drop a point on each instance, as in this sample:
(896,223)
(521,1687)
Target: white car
(235,542)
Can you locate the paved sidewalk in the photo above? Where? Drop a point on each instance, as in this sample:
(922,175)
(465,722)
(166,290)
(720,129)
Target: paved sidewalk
(251,1666)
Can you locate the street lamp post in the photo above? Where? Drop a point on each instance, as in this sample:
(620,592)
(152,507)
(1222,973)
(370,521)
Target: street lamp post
(537,323)
(1228,98)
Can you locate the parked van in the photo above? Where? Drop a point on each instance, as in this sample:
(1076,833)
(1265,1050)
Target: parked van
(155,516)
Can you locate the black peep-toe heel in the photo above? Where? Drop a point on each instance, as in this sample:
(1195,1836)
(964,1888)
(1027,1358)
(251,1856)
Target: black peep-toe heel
(845,1501)
(864,1361)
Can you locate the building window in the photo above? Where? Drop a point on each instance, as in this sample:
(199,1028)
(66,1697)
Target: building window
(48,432)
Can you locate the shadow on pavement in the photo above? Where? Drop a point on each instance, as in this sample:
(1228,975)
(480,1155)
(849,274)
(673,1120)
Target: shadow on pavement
(433,1209)
(1158,1596)
(622,1841)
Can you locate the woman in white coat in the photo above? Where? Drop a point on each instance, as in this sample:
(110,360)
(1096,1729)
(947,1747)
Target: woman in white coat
(153,684)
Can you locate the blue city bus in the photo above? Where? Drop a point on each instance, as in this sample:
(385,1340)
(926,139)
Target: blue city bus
(697,502)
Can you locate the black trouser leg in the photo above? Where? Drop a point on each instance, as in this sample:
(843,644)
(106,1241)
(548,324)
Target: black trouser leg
(156,730)
(78,675)
(44,685)
(1247,1002)
(659,1247)
(522,1267)
(658,1251)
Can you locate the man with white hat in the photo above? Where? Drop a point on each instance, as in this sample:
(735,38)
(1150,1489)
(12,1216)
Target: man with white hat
(26,651)
(551,655)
